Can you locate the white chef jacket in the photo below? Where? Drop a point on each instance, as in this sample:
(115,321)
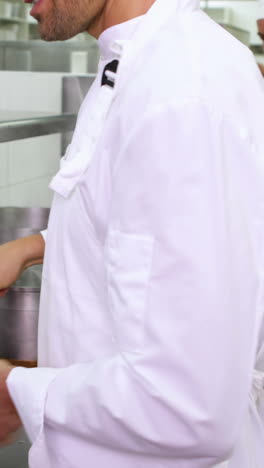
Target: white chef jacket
(152,296)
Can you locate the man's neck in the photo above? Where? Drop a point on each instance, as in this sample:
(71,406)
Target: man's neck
(118,11)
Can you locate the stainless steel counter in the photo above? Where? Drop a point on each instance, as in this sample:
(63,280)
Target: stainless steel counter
(20,125)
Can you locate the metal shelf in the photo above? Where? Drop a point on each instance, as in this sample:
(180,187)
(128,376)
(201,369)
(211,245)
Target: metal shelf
(11,20)
(33,127)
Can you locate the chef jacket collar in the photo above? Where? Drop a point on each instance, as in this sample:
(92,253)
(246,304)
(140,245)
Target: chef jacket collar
(159,11)
(123,42)
(117,33)
(155,18)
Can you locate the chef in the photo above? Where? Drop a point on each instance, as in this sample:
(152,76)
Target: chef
(151,316)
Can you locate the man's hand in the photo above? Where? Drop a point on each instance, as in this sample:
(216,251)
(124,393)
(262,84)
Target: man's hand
(9,419)
(11,264)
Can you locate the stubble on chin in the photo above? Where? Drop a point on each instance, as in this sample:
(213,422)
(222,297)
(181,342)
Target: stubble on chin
(64,23)
(55,28)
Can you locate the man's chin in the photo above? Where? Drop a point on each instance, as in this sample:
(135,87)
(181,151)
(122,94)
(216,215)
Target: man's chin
(52,36)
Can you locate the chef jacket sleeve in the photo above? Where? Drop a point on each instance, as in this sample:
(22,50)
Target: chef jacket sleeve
(182,286)
(44,234)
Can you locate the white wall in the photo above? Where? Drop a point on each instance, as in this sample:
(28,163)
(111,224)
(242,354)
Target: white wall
(26,166)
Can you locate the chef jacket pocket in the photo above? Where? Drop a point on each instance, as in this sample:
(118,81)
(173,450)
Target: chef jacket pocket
(128,263)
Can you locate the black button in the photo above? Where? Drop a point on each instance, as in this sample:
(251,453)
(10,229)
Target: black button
(112,66)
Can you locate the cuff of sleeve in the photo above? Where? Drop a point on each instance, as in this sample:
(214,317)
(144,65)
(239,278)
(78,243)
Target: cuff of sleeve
(44,234)
(28,389)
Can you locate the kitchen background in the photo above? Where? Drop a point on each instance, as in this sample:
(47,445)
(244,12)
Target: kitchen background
(39,79)
(42,86)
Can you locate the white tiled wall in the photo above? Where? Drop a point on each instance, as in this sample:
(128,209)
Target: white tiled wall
(26,166)
(33,192)
(32,158)
(3,164)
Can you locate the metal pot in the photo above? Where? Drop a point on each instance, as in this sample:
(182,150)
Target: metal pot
(20,217)
(13,233)
(19,318)
(19,308)
(21,222)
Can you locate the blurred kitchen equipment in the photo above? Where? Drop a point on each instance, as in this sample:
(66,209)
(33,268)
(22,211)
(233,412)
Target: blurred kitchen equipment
(5,9)
(12,218)
(17,10)
(45,58)
(12,233)
(9,32)
(79,61)
(15,455)
(19,319)
(19,307)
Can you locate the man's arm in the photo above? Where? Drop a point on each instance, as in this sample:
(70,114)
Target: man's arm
(16,256)
(34,248)
(182,286)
